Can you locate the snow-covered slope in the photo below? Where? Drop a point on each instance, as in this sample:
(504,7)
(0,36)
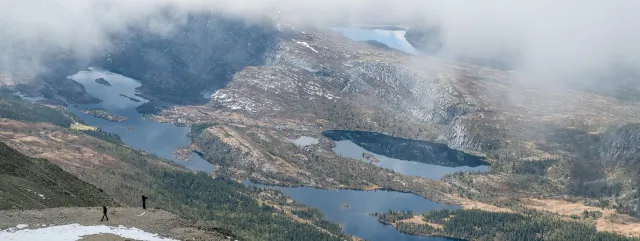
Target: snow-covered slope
(75,232)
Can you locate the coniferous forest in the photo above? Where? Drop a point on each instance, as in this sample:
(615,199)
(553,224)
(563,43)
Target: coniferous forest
(476,224)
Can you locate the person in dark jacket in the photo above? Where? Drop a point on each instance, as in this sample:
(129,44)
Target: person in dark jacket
(104,214)
(144,202)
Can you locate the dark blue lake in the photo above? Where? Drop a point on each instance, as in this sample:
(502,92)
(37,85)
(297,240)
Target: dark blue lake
(163,138)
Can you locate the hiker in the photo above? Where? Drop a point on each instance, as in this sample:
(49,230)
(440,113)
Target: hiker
(144,202)
(104,214)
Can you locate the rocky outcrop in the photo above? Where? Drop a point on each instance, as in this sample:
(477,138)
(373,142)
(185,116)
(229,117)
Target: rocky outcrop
(621,148)
(102,81)
(428,98)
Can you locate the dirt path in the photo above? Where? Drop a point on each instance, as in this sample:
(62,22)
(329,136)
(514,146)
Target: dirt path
(151,220)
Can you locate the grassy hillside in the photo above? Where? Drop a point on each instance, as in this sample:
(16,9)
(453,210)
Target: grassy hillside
(218,205)
(29,183)
(12,107)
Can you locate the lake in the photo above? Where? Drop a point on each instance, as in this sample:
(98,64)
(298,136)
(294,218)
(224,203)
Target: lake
(163,138)
(405,156)
(150,136)
(356,219)
(392,38)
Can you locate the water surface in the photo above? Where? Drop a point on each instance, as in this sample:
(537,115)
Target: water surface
(161,139)
(347,148)
(392,38)
(140,133)
(356,219)
(406,156)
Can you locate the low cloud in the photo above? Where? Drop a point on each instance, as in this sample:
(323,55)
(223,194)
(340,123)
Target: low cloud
(551,39)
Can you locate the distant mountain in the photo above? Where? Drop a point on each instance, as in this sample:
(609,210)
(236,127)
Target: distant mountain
(29,183)
(268,83)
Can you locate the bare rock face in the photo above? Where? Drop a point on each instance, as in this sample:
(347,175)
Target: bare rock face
(622,147)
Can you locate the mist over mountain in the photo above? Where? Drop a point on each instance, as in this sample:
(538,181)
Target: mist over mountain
(549,42)
(515,106)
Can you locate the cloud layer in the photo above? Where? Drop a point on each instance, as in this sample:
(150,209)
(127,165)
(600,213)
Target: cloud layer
(551,38)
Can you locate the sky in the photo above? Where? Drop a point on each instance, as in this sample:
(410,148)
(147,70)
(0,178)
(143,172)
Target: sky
(552,39)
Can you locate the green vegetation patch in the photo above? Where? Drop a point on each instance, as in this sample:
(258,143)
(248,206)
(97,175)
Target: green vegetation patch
(217,204)
(16,109)
(484,225)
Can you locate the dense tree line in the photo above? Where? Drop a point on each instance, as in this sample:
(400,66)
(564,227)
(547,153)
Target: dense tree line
(148,108)
(197,128)
(391,216)
(12,107)
(220,204)
(101,134)
(537,167)
(231,205)
(484,225)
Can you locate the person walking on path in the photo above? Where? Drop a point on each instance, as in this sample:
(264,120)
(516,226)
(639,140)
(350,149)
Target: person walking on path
(104,214)
(144,202)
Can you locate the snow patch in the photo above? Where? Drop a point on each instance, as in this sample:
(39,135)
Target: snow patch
(40,195)
(76,232)
(306,45)
(21,226)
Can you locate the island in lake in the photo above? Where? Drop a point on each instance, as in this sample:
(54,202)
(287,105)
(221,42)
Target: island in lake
(102,81)
(370,157)
(131,98)
(183,153)
(101,113)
